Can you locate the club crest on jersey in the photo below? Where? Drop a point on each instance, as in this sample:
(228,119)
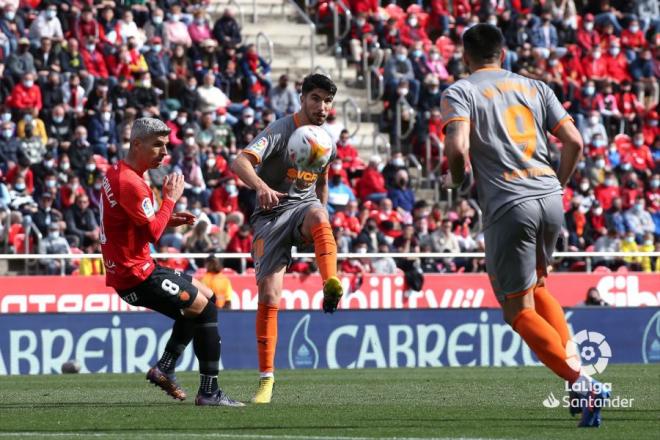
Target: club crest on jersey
(147,207)
(260,146)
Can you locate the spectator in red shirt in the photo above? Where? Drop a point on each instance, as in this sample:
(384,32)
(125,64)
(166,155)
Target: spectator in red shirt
(86,26)
(632,39)
(360,29)
(371,185)
(94,59)
(594,65)
(650,128)
(587,37)
(25,95)
(640,155)
(653,194)
(607,191)
(348,154)
(631,189)
(617,64)
(389,220)
(241,242)
(363,6)
(411,32)
(224,200)
(629,105)
(22,169)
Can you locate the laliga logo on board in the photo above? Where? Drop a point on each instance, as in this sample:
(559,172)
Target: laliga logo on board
(302,350)
(588,351)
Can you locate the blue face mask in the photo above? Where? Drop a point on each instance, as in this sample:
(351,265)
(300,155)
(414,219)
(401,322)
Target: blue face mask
(417,53)
(401,57)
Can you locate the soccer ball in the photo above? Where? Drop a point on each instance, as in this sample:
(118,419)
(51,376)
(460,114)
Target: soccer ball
(310,148)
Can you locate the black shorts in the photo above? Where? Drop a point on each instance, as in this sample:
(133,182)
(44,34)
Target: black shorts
(165,291)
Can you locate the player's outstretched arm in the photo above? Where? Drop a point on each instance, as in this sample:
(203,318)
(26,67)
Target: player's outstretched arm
(243,167)
(322,187)
(457,148)
(571,151)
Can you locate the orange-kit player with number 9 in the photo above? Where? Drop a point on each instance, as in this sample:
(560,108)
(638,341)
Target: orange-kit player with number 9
(498,121)
(129,222)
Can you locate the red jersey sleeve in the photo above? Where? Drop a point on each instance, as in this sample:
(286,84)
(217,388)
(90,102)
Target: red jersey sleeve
(135,198)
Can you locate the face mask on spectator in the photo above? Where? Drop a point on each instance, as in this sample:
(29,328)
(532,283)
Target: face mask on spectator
(614,51)
(634,28)
(10,15)
(600,164)
(399,162)
(597,55)
(53,235)
(190,140)
(435,56)
(65,166)
(180,207)
(589,26)
(27,118)
(599,143)
(157,19)
(403,91)
(7,133)
(553,62)
(51,13)
(360,22)
(196,212)
(593,120)
(157,47)
(639,206)
(50,163)
(231,189)
(492,21)
(401,57)
(583,209)
(610,182)
(20,187)
(638,142)
(51,183)
(584,187)
(146,83)
(106,116)
(598,211)
(589,90)
(630,239)
(653,123)
(181,120)
(175,17)
(222,119)
(655,183)
(361,250)
(648,242)
(418,53)
(90,167)
(199,21)
(412,22)
(6,117)
(581,165)
(28,83)
(210,162)
(91,47)
(248,120)
(58,119)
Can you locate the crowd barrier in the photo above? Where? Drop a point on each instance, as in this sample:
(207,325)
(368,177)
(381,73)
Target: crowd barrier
(34,294)
(131,342)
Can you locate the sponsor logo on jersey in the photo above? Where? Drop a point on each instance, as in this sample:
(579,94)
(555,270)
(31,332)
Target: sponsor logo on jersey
(260,146)
(303,179)
(147,207)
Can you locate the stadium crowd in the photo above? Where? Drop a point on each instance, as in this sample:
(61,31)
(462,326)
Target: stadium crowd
(75,74)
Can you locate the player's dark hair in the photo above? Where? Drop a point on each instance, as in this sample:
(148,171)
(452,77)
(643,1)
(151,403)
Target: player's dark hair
(318,81)
(483,43)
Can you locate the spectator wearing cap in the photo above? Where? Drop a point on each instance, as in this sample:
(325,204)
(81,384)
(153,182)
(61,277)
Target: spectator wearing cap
(226,30)
(282,98)
(46,215)
(245,129)
(402,196)
(45,58)
(25,95)
(47,24)
(86,25)
(93,59)
(176,30)
(210,98)
(199,29)
(54,243)
(371,185)
(159,64)
(9,146)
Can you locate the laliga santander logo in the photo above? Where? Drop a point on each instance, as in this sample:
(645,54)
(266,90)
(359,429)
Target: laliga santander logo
(589,352)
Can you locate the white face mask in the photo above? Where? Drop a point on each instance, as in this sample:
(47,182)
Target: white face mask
(157,19)
(51,183)
(614,51)
(634,29)
(190,141)
(196,212)
(180,207)
(232,190)
(362,250)
(181,121)
(98,186)
(65,166)
(630,239)
(106,116)
(492,22)
(210,162)
(398,162)
(598,211)
(597,55)
(593,120)
(6,117)
(589,26)
(609,182)
(589,90)
(600,164)
(584,187)
(248,121)
(221,119)
(403,92)
(90,167)
(28,83)
(412,22)
(53,235)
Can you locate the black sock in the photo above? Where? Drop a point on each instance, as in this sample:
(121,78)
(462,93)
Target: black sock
(206,342)
(182,332)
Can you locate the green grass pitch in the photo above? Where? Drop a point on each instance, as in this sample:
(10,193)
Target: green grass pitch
(328,405)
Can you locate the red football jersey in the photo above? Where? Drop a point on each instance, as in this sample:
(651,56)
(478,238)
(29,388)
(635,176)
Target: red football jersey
(127,207)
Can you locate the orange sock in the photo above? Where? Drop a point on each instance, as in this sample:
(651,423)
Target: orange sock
(266,336)
(325,249)
(549,308)
(545,342)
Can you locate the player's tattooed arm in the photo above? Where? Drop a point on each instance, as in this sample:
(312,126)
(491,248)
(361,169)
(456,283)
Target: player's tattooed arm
(322,187)
(457,146)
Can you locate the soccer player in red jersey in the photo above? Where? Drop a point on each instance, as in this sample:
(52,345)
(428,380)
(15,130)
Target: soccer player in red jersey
(129,223)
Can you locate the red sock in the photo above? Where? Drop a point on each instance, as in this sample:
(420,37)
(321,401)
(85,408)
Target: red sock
(266,336)
(545,342)
(549,308)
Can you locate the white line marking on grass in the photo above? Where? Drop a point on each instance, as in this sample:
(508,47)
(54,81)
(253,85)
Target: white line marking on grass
(214,435)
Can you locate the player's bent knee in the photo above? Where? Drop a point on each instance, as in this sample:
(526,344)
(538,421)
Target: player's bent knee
(196,307)
(516,303)
(316,216)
